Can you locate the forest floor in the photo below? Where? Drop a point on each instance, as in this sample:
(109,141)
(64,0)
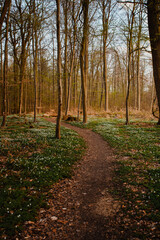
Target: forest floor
(52,190)
(82,207)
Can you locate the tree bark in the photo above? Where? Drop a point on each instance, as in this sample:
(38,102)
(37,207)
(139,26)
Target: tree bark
(58,135)
(1,69)
(85,6)
(5,69)
(138,60)
(131,22)
(35,59)
(72,63)
(5,8)
(105,36)
(106,10)
(53,73)
(66,50)
(153,7)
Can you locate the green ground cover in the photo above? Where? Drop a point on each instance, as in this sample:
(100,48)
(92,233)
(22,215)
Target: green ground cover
(137,181)
(31,160)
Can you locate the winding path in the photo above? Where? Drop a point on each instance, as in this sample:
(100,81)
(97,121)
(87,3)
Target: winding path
(82,207)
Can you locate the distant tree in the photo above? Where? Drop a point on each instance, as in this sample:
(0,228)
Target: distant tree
(153,7)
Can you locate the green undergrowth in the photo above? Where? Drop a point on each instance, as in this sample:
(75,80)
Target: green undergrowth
(137,178)
(31,160)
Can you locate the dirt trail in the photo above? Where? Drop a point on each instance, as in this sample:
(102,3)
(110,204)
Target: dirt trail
(82,207)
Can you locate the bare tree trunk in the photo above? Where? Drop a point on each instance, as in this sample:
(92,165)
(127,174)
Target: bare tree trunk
(35,60)
(106,5)
(66,50)
(79,103)
(25,99)
(131,22)
(74,86)
(5,71)
(1,66)
(154,31)
(39,80)
(138,61)
(21,77)
(85,6)
(53,73)
(152,94)
(15,69)
(70,77)
(5,8)
(58,135)
(105,76)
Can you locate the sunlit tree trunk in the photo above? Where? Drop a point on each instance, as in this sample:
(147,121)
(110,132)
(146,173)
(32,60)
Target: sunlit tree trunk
(85,6)
(58,135)
(53,73)
(65,93)
(35,58)
(72,61)
(130,23)
(138,60)
(5,69)
(106,10)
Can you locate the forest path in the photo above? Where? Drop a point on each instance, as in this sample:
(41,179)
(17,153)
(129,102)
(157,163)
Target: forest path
(82,207)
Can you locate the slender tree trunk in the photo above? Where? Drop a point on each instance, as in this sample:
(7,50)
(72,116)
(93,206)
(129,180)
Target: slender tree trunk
(131,22)
(35,59)
(25,99)
(1,66)
(66,50)
(74,86)
(15,69)
(138,61)
(5,71)
(106,5)
(70,77)
(53,74)
(58,135)
(138,83)
(5,82)
(85,6)
(79,104)
(86,67)
(40,80)
(21,77)
(105,75)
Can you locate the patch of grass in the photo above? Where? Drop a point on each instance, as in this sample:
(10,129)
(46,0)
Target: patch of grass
(138,176)
(31,160)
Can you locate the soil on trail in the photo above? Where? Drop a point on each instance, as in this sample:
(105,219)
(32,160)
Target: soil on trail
(81,207)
